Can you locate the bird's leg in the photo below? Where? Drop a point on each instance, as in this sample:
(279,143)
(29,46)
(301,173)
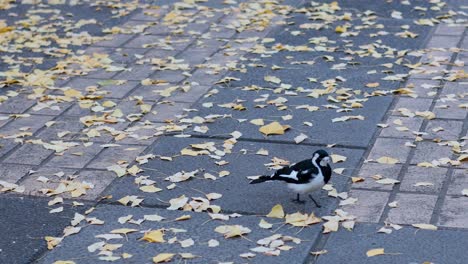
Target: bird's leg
(298,200)
(316,204)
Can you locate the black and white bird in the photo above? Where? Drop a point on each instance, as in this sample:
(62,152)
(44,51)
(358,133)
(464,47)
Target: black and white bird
(303,177)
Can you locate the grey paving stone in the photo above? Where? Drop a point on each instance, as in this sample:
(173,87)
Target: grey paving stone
(26,124)
(13,172)
(135,72)
(6,145)
(443,29)
(198,227)
(238,194)
(169,76)
(410,245)
(141,40)
(427,151)
(389,147)
(76,157)
(141,134)
(449,109)
(443,41)
(119,91)
(16,105)
(424,88)
(454,213)
(205,77)
(455,88)
(55,175)
(458,183)
(443,129)
(415,179)
(412,104)
(149,92)
(412,208)
(112,156)
(405,130)
(195,92)
(371,169)
(54,109)
(194,56)
(163,112)
(114,40)
(63,124)
(25,223)
(149,14)
(369,206)
(29,154)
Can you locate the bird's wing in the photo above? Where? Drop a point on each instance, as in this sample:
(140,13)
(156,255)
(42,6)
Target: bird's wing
(301,172)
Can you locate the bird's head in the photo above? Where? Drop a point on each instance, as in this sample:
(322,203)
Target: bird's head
(321,157)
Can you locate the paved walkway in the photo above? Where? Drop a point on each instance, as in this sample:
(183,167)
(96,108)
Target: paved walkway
(130,132)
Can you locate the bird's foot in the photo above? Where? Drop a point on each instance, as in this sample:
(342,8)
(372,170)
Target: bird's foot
(315,202)
(298,201)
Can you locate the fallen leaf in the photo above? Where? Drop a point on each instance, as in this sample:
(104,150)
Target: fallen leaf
(375,252)
(276,212)
(264,224)
(274,128)
(163,257)
(425,226)
(154,236)
(387,160)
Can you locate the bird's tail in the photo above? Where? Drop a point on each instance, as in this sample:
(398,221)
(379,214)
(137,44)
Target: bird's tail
(261,179)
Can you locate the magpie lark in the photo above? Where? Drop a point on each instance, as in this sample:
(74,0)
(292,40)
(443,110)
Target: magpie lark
(305,176)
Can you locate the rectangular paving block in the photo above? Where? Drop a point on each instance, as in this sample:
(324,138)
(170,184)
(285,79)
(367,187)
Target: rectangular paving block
(427,151)
(369,206)
(458,182)
(368,170)
(402,127)
(390,147)
(425,180)
(76,157)
(198,227)
(29,154)
(13,172)
(454,213)
(230,179)
(116,155)
(412,208)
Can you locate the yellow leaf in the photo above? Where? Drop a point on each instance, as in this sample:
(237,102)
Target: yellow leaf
(123,231)
(387,160)
(163,257)
(340,29)
(425,226)
(272,79)
(276,212)
(357,179)
(72,93)
(258,122)
(373,85)
(375,252)
(154,236)
(273,128)
(264,224)
(183,218)
(338,158)
(232,230)
(150,189)
(64,262)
